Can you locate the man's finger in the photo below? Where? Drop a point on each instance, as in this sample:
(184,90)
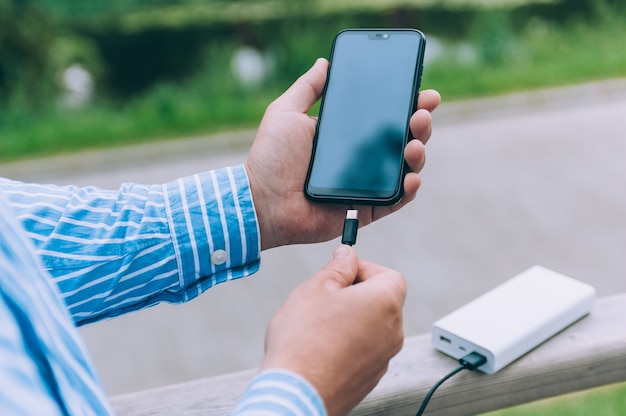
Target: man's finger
(306,90)
(429,100)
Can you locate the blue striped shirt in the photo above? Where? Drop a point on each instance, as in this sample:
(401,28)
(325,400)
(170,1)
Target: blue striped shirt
(280,392)
(99,254)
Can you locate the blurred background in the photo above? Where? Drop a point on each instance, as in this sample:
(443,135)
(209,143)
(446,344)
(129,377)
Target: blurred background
(77,74)
(525,166)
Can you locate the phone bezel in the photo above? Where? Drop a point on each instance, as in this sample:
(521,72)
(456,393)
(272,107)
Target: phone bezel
(365,196)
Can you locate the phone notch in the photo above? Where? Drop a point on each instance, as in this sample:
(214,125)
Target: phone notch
(379,36)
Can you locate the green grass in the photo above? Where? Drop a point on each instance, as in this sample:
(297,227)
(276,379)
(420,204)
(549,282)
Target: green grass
(166,113)
(603,401)
(541,55)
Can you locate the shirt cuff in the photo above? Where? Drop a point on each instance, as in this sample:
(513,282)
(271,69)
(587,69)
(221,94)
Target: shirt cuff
(280,393)
(214,228)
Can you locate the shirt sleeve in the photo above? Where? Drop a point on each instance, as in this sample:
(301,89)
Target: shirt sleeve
(111,252)
(280,393)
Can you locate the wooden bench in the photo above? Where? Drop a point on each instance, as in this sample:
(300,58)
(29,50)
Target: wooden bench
(590,353)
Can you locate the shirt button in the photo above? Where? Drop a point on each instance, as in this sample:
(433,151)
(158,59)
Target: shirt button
(219,257)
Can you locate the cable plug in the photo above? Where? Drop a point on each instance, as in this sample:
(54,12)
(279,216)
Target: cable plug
(472,361)
(350,227)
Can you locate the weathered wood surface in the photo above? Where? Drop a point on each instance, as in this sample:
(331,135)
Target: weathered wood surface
(590,353)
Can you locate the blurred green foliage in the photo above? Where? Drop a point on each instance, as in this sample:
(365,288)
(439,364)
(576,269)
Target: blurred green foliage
(493,37)
(162,68)
(606,401)
(25,38)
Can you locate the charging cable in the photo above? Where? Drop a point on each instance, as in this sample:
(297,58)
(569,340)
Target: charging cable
(470,362)
(350,227)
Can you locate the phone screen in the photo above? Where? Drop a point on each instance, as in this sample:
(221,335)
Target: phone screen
(363,125)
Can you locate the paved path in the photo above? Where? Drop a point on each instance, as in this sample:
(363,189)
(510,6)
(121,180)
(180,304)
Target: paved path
(533,178)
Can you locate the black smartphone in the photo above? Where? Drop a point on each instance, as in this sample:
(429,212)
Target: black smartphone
(363,124)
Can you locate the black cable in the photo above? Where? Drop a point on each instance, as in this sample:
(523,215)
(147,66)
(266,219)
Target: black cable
(470,362)
(433,388)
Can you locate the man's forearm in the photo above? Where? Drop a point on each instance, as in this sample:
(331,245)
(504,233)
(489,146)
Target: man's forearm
(115,251)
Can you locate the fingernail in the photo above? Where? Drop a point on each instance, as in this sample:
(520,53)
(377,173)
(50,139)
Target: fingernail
(342,251)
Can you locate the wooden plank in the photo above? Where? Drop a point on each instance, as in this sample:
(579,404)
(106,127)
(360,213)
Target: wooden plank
(590,353)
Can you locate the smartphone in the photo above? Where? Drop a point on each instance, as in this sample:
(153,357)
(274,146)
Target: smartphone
(363,123)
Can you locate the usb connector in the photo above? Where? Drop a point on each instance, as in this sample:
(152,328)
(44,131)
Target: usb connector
(473,360)
(350,227)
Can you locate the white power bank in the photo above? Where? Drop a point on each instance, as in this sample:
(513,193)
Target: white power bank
(513,318)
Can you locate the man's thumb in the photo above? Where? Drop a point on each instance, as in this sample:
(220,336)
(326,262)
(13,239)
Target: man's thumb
(306,90)
(343,251)
(342,269)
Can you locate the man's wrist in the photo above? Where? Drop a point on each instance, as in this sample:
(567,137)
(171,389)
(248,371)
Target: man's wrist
(261,211)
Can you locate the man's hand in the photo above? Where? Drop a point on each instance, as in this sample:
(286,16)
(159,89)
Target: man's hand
(339,329)
(278,161)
